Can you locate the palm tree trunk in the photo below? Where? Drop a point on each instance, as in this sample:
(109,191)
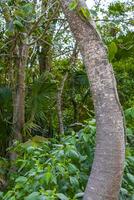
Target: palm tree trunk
(106,174)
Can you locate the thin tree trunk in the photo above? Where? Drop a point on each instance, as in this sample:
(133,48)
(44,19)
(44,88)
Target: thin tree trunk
(60,91)
(106,174)
(19,96)
(59,104)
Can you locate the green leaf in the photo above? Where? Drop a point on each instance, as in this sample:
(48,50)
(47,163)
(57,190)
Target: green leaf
(48,177)
(72,168)
(131,178)
(33,196)
(129,131)
(62,196)
(74,182)
(18,24)
(60,168)
(21,179)
(124,191)
(112,51)
(73,154)
(19,185)
(86,138)
(131,158)
(78,195)
(28,8)
(73,5)
(129,112)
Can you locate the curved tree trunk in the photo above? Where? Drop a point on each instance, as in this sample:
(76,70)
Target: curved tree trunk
(106,174)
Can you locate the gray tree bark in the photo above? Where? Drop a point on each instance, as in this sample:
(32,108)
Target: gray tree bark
(18,99)
(106,174)
(59,104)
(19,96)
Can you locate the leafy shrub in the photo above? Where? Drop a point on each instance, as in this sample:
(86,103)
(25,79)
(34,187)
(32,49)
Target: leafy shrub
(52,169)
(49,169)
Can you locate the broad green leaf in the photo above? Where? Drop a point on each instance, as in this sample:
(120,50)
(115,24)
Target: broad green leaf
(74,181)
(72,168)
(18,24)
(124,191)
(62,196)
(78,195)
(30,149)
(21,179)
(131,178)
(73,154)
(86,137)
(33,196)
(60,168)
(131,158)
(129,131)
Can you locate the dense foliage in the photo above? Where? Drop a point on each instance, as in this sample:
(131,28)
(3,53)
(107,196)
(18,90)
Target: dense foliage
(59,168)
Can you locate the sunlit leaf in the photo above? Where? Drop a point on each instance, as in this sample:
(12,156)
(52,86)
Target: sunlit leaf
(73,4)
